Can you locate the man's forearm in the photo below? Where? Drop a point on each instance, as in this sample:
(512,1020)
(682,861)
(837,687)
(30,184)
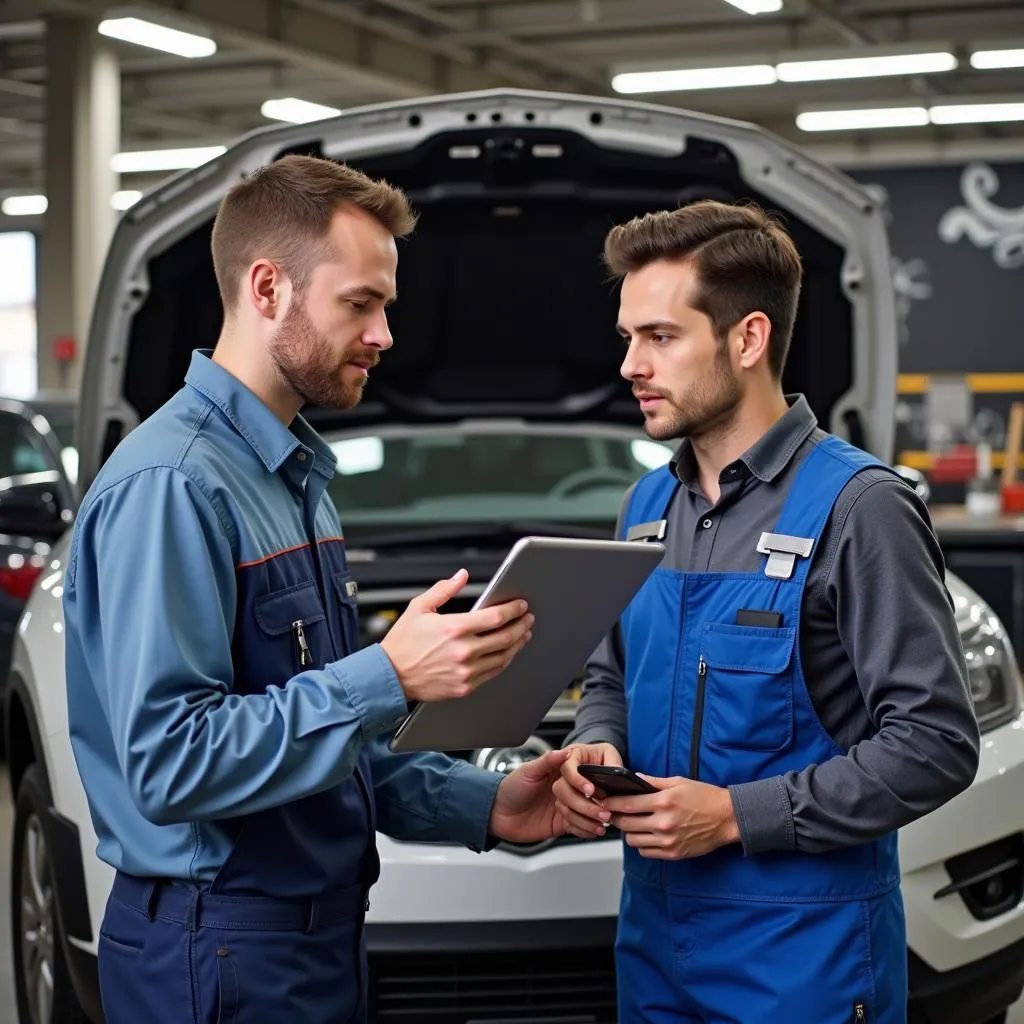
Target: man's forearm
(904,772)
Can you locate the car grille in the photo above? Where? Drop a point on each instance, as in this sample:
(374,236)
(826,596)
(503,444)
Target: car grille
(542,987)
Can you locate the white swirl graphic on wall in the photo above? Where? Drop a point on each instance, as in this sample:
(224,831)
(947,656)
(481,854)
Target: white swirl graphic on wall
(982,222)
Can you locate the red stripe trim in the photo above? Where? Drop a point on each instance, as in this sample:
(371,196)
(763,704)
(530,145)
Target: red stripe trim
(288,551)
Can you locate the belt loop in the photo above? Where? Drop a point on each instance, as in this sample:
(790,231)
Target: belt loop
(192,910)
(312,917)
(149,900)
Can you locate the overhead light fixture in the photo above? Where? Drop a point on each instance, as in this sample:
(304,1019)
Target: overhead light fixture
(952,112)
(29,206)
(975,113)
(157,37)
(125,199)
(23,206)
(296,111)
(985,60)
(871,117)
(865,67)
(145,160)
(684,79)
(757,6)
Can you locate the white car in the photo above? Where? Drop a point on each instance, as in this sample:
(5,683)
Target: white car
(500,412)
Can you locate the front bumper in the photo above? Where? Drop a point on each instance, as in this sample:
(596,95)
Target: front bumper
(979,834)
(972,994)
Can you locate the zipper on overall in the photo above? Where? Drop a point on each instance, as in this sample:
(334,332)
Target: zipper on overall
(860,1013)
(302,645)
(698,718)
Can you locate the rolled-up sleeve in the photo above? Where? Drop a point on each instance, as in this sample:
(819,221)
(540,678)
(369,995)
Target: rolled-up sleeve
(886,588)
(150,599)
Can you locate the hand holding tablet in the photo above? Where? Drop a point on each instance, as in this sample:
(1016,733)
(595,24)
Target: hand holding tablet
(438,657)
(575,590)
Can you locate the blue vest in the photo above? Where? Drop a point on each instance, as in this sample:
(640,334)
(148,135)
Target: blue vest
(724,703)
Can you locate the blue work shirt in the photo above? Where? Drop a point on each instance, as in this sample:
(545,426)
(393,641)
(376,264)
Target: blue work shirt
(214,684)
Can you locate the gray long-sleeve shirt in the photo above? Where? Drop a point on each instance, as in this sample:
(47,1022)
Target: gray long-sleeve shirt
(879,646)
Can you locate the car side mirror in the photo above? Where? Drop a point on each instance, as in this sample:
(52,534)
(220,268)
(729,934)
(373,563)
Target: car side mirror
(30,506)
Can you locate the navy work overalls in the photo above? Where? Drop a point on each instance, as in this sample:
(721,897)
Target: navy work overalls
(780,937)
(278,936)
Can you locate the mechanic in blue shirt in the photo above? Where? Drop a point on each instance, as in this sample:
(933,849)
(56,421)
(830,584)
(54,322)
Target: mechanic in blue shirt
(230,735)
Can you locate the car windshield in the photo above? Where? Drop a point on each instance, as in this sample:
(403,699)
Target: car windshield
(462,475)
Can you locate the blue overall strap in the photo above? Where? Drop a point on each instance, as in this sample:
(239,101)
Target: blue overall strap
(651,497)
(826,470)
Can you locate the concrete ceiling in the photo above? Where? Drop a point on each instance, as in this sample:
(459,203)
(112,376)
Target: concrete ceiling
(349,52)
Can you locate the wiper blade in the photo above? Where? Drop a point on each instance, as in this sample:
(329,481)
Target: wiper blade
(468,533)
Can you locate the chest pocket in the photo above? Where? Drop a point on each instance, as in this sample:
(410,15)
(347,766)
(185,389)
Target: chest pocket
(293,631)
(748,696)
(348,609)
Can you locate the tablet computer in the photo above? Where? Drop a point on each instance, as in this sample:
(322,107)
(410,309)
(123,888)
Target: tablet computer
(576,590)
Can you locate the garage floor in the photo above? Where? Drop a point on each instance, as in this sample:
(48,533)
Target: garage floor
(7,1012)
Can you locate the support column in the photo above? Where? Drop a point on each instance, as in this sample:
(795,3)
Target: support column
(83,132)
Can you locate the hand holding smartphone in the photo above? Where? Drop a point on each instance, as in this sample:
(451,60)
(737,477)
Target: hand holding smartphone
(615,781)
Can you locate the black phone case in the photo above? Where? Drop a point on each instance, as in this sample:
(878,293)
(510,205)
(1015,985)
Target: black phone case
(617,785)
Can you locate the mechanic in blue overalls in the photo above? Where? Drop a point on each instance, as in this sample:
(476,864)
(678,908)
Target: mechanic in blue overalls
(230,735)
(790,679)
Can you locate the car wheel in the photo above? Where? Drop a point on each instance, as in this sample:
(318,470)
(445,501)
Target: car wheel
(42,984)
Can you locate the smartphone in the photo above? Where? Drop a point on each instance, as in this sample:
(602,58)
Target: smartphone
(615,781)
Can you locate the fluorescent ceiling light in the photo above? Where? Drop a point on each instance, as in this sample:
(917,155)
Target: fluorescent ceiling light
(849,120)
(984,60)
(27,206)
(296,111)
(157,37)
(976,113)
(693,78)
(163,159)
(757,6)
(125,199)
(865,67)
(23,206)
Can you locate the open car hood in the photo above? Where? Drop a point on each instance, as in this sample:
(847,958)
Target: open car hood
(505,308)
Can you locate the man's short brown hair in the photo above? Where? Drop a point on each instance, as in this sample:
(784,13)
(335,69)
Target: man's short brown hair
(283,211)
(744,261)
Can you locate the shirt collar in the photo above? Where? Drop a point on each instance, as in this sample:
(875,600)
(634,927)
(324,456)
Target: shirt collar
(268,437)
(767,457)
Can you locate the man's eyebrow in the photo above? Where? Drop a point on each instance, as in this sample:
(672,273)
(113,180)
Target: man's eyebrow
(374,293)
(652,327)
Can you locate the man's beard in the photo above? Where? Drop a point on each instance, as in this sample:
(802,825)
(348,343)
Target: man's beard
(307,363)
(708,406)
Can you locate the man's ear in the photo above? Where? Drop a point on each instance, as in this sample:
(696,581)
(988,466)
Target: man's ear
(751,336)
(266,288)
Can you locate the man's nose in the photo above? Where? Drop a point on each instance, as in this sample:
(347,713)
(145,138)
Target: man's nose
(633,366)
(378,334)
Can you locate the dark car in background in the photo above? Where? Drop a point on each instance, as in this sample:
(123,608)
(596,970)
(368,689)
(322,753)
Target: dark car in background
(38,466)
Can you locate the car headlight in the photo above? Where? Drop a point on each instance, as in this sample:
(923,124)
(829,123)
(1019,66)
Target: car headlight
(991,666)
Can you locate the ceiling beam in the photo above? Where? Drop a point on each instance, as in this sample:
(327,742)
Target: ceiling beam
(497,39)
(138,114)
(345,43)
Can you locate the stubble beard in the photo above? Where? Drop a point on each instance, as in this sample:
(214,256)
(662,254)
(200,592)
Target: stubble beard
(307,363)
(708,407)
